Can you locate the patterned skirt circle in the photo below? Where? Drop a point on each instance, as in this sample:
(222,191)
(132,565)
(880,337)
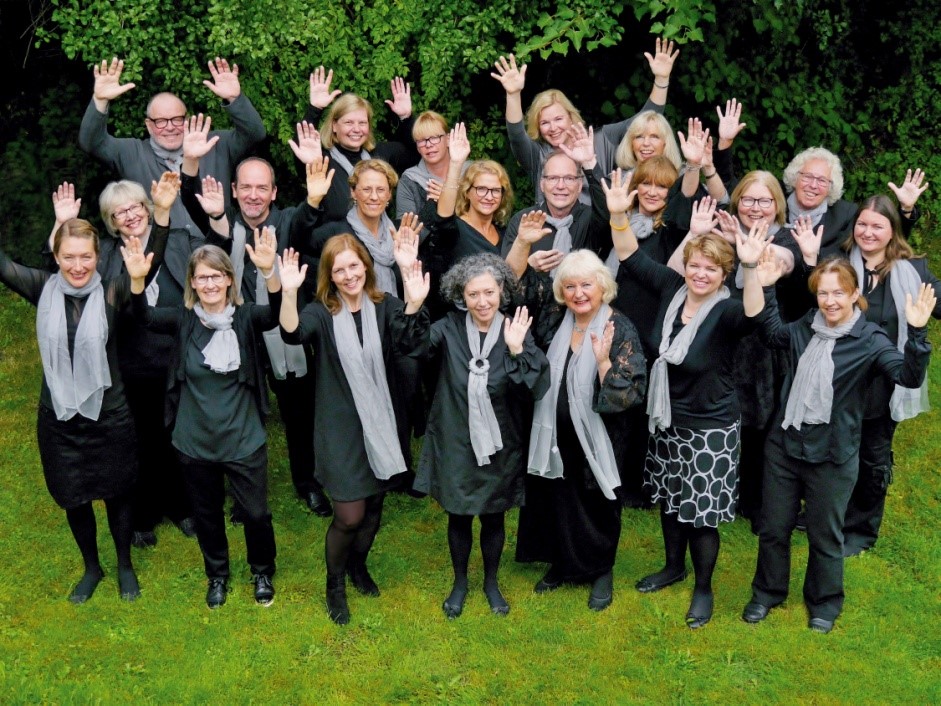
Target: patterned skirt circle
(694,472)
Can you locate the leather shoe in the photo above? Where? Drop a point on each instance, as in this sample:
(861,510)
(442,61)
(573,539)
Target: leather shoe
(547,583)
(655,582)
(143,540)
(216,593)
(755,612)
(821,625)
(602,592)
(318,504)
(264,590)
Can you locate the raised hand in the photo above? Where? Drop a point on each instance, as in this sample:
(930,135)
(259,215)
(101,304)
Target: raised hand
(532,227)
(514,330)
(136,262)
(406,241)
(212,198)
(703,219)
(459,147)
(434,190)
(913,187)
(545,260)
(225,80)
(728,226)
(64,203)
(196,140)
(729,125)
(320,94)
(582,149)
(694,145)
(749,247)
(807,240)
(401,103)
(292,276)
(416,286)
(264,252)
(770,268)
(619,198)
(512,78)
(707,162)
(319,178)
(918,312)
(308,146)
(601,346)
(661,62)
(164,192)
(108,84)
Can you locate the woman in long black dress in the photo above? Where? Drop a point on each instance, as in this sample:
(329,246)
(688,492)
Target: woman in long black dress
(572,517)
(357,332)
(84,427)
(472,461)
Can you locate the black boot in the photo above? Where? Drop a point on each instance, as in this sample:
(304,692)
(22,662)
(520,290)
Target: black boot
(337,608)
(359,575)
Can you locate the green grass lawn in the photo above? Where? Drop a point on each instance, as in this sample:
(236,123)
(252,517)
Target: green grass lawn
(169,648)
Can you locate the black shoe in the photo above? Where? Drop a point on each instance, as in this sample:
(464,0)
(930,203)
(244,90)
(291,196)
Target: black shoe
(453,605)
(216,593)
(318,503)
(264,590)
(143,540)
(86,586)
(821,625)
(547,583)
(602,592)
(700,610)
(128,586)
(801,524)
(337,608)
(658,581)
(187,526)
(755,612)
(360,578)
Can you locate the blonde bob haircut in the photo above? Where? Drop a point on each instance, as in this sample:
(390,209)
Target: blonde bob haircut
(214,258)
(625,157)
(713,247)
(767,180)
(76,228)
(429,124)
(373,165)
(541,102)
(584,264)
(845,275)
(345,105)
(485,166)
(121,192)
(791,172)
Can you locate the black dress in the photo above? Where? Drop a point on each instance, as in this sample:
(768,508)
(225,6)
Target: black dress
(448,469)
(342,464)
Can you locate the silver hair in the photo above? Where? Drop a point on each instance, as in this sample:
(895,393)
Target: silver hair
(118,192)
(465,269)
(836,171)
(584,263)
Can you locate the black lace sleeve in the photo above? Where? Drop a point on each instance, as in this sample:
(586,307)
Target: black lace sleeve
(25,281)
(625,384)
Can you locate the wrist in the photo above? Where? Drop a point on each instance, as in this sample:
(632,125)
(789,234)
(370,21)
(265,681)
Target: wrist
(216,216)
(693,166)
(269,274)
(748,265)
(709,176)
(661,82)
(906,210)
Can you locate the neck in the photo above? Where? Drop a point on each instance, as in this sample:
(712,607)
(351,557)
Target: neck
(256,222)
(582,320)
(353,303)
(214,308)
(371,222)
(143,239)
(477,221)
(873,260)
(644,212)
(693,301)
(440,169)
(560,212)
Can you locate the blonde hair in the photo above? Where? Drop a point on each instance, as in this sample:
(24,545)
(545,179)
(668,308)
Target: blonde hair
(541,102)
(75,228)
(625,157)
(214,258)
(428,124)
(342,106)
(713,247)
(768,180)
(116,193)
(373,165)
(485,166)
(584,263)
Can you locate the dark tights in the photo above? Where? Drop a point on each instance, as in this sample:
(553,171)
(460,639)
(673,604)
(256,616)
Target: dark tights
(85,530)
(352,532)
(703,543)
(492,539)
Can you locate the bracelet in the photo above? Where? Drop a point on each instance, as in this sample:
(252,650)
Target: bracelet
(659,86)
(452,187)
(619,228)
(217,218)
(709,176)
(268,276)
(749,266)
(907,212)
(693,167)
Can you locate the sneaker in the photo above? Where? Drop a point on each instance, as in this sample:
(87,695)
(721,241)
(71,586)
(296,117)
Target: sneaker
(264,590)
(216,593)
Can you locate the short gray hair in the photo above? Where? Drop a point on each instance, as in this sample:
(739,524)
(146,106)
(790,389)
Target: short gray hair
(584,263)
(116,193)
(465,269)
(836,171)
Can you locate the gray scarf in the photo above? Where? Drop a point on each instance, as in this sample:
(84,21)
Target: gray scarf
(794,211)
(811,398)
(420,174)
(773,229)
(365,372)
(562,241)
(641,227)
(484,428)
(544,457)
(381,249)
(171,159)
(674,353)
(221,354)
(78,385)
(906,402)
(337,157)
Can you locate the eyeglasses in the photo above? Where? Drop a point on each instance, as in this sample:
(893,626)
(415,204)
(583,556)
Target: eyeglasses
(748,202)
(566,179)
(203,280)
(814,179)
(429,141)
(161,123)
(125,213)
(483,191)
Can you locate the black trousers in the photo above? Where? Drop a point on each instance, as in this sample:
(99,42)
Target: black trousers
(826,489)
(295,397)
(159,490)
(248,482)
(867,504)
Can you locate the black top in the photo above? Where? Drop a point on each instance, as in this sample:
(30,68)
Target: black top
(865,353)
(702,387)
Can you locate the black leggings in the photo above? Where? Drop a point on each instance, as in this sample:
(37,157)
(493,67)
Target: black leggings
(353,530)
(703,543)
(85,530)
(460,539)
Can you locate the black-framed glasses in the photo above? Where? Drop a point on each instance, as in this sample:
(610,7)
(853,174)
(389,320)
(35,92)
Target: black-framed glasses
(749,201)
(484,191)
(161,123)
(125,213)
(429,141)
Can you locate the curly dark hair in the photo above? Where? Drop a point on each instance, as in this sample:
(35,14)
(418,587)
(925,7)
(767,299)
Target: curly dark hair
(465,269)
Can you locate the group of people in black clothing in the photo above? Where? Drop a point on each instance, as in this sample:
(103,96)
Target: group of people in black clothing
(654,329)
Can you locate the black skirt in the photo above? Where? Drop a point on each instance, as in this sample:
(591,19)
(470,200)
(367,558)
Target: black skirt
(84,459)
